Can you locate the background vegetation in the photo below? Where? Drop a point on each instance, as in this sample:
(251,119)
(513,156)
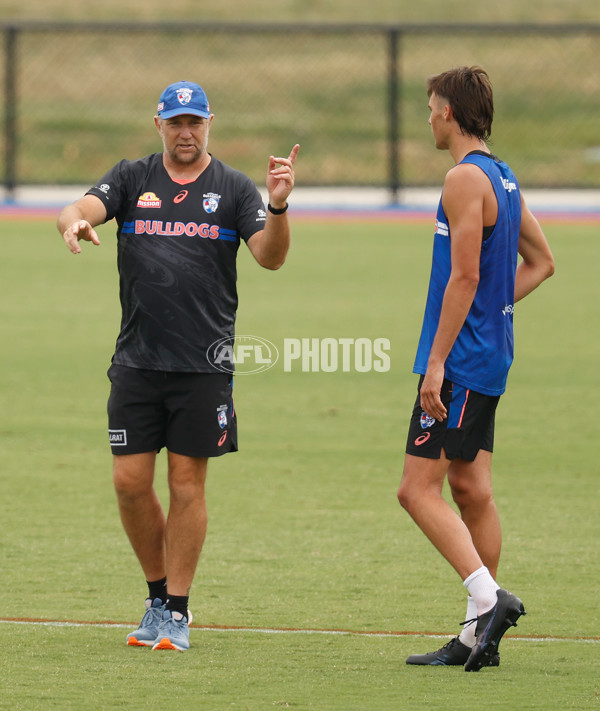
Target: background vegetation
(86,96)
(308,10)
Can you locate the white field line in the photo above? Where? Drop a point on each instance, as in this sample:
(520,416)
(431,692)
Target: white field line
(269,630)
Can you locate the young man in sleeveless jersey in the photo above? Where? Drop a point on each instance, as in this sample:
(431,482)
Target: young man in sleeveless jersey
(181,215)
(463,357)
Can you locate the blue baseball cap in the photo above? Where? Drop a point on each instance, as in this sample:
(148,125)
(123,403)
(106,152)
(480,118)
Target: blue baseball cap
(183,97)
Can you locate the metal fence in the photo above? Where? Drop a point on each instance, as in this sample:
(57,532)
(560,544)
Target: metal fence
(79,97)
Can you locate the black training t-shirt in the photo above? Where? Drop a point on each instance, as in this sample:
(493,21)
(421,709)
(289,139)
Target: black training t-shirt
(177,249)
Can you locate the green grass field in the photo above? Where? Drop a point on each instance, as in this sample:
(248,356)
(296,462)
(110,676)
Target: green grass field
(305,533)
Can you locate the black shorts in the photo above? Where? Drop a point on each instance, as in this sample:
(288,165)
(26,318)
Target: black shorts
(468,428)
(191,414)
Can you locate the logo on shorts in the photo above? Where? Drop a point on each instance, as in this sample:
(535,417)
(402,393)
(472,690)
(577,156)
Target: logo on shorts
(422,439)
(222,416)
(426,420)
(117,438)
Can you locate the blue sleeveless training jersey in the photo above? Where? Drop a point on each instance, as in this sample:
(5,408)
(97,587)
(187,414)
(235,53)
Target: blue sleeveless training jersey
(483,351)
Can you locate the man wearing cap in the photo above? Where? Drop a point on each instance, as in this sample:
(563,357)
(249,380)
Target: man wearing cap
(181,216)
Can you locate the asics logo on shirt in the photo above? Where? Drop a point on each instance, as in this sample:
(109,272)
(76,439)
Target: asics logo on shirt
(180,197)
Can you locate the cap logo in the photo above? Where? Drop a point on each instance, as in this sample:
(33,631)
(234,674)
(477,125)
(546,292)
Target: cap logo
(184,96)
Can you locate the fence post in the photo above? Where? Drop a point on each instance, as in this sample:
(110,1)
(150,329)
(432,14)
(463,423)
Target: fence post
(394,179)
(10,112)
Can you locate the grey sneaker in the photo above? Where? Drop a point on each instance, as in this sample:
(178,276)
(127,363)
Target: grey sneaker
(146,633)
(491,626)
(173,632)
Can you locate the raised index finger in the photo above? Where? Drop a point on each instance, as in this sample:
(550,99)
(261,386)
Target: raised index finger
(294,153)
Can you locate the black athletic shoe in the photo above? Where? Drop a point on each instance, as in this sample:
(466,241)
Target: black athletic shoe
(490,628)
(455,653)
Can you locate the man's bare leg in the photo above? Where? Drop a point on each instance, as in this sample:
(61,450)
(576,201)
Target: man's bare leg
(186,522)
(141,512)
(471,487)
(420,493)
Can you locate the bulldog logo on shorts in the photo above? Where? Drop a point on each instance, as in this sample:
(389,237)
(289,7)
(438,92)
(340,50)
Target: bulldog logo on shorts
(222,416)
(426,420)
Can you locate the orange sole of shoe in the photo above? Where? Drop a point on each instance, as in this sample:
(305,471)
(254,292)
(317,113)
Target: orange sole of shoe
(133,642)
(166,643)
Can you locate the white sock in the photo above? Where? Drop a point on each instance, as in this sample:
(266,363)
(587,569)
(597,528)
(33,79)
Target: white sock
(482,588)
(467,635)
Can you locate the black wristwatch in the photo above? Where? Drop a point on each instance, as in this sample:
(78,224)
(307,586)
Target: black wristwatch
(275,211)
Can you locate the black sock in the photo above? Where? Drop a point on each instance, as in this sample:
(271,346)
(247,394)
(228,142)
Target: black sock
(157,588)
(178,603)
